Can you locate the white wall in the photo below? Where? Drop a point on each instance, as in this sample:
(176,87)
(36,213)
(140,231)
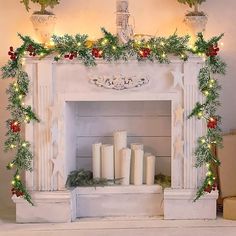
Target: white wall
(160,17)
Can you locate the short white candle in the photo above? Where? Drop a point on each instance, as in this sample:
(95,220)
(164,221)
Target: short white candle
(138,167)
(125,166)
(96,152)
(150,169)
(133,146)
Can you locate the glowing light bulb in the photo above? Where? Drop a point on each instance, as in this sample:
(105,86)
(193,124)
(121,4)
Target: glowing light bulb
(209,173)
(11,165)
(104,42)
(15,84)
(212,81)
(200,114)
(163,55)
(22,104)
(12,146)
(162,43)
(114,47)
(13,182)
(203,140)
(210,86)
(26,119)
(209,145)
(207,165)
(17,177)
(51,43)
(79,43)
(24,144)
(210,182)
(20,96)
(206,93)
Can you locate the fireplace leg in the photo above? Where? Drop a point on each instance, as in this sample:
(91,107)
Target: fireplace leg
(53,207)
(178,204)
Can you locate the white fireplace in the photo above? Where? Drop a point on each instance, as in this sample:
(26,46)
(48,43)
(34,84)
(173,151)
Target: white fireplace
(77,107)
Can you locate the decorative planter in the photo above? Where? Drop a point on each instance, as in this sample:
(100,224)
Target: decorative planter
(43,26)
(196,23)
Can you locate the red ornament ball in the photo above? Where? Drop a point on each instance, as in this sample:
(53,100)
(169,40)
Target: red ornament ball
(15,126)
(212,123)
(213,50)
(144,52)
(96,52)
(208,188)
(17,192)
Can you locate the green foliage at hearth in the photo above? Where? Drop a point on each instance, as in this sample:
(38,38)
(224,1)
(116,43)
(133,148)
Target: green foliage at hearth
(79,47)
(82,178)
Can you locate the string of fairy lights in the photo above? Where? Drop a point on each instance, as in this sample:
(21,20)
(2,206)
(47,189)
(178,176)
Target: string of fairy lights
(108,48)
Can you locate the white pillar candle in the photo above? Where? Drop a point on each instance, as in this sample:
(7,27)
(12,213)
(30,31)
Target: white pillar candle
(146,154)
(125,166)
(133,146)
(138,167)
(96,152)
(150,169)
(107,161)
(120,142)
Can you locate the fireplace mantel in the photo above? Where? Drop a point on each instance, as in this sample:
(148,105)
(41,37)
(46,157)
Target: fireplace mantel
(53,84)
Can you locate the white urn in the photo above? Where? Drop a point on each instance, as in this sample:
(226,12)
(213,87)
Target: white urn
(196,23)
(44,26)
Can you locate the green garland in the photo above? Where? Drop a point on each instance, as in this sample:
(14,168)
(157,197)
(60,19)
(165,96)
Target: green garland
(108,48)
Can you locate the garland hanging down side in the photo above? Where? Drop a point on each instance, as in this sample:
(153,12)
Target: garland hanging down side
(108,48)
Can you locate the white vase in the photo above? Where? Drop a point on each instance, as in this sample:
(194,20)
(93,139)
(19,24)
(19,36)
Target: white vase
(196,24)
(44,26)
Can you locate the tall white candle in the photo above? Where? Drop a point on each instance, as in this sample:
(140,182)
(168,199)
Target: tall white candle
(138,167)
(125,166)
(96,152)
(120,142)
(150,170)
(146,154)
(107,161)
(133,146)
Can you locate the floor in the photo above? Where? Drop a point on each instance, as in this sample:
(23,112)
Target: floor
(118,227)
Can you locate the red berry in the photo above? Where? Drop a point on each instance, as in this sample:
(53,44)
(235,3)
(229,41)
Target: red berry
(34,54)
(11,49)
(66,56)
(30,54)
(71,57)
(10,53)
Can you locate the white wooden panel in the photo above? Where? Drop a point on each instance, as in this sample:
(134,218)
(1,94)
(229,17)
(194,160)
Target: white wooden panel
(128,108)
(159,146)
(163,165)
(135,126)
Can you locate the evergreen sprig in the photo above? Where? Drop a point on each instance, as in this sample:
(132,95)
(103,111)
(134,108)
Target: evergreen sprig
(108,48)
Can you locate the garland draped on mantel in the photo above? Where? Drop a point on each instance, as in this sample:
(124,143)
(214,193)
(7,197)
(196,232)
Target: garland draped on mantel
(79,47)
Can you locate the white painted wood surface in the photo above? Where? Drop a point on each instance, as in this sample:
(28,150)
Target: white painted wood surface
(119,201)
(56,86)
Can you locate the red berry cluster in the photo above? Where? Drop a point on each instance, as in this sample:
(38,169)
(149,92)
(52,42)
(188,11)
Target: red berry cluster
(31,50)
(15,126)
(213,50)
(12,54)
(96,52)
(210,188)
(17,192)
(71,55)
(212,123)
(144,52)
